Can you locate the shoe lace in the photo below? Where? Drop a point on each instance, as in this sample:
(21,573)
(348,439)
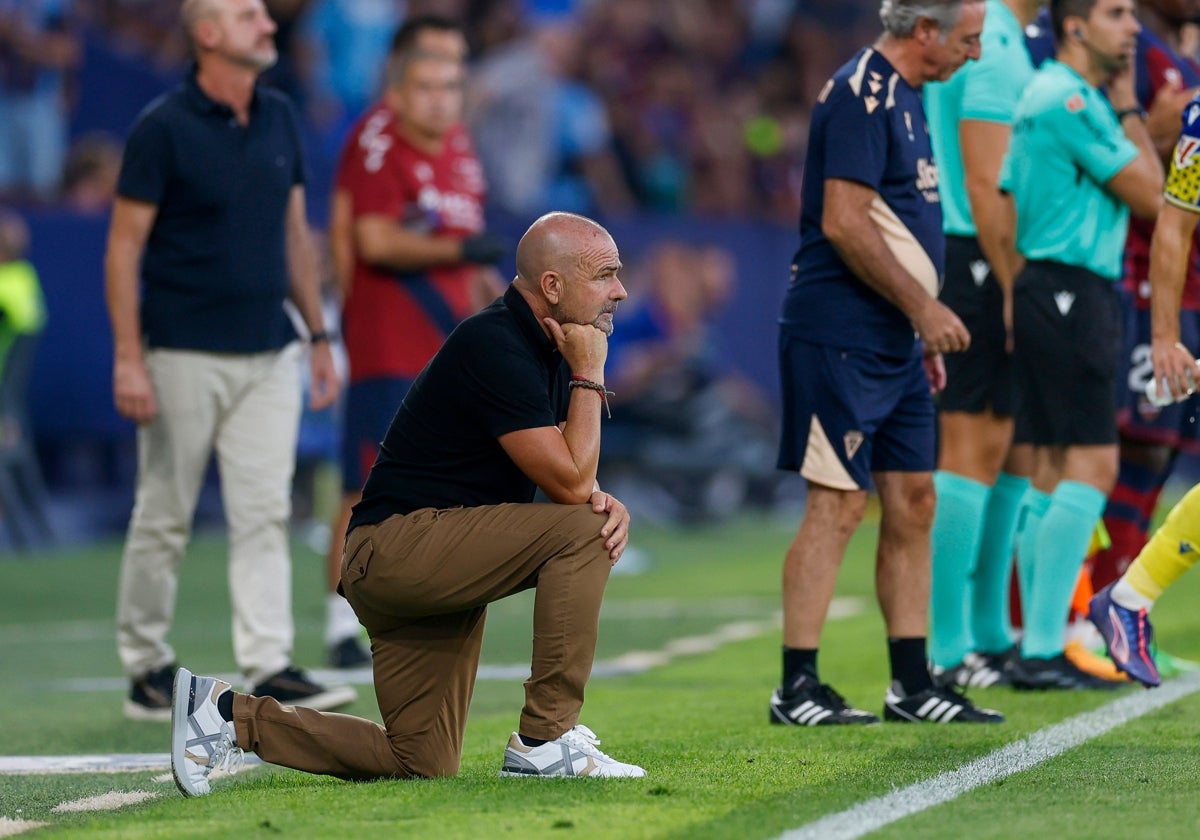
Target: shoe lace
(953,693)
(227,755)
(830,697)
(584,740)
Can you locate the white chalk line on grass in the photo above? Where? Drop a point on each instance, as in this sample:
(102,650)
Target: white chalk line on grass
(110,801)
(1041,746)
(10,827)
(633,662)
(46,765)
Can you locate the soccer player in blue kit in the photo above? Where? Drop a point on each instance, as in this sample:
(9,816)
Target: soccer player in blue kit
(861,338)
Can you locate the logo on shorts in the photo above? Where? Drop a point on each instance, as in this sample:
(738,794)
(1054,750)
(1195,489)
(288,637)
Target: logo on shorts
(852,440)
(1064,301)
(1186,547)
(979,270)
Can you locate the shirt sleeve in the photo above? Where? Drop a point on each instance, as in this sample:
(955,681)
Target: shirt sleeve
(989,94)
(1085,126)
(855,139)
(1183,177)
(146,162)
(299,170)
(372,175)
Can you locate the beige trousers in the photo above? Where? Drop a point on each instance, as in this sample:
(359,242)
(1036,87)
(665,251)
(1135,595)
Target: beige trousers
(247,408)
(421,584)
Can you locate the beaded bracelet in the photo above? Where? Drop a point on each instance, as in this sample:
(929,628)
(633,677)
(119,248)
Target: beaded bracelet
(582,382)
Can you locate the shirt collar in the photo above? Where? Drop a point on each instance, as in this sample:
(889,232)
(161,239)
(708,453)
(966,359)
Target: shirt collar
(205,104)
(529,325)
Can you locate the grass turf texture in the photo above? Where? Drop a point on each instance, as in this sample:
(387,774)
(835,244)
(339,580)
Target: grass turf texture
(698,724)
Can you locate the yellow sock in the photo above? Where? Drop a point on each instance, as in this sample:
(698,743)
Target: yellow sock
(1171,551)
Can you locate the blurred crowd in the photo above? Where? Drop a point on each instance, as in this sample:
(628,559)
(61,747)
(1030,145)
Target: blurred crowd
(597,106)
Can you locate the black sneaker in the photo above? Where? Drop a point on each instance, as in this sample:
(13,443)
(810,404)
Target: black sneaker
(977,670)
(150,695)
(811,703)
(349,653)
(934,705)
(293,687)
(1058,673)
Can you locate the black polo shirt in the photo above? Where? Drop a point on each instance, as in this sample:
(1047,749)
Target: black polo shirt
(498,372)
(214,272)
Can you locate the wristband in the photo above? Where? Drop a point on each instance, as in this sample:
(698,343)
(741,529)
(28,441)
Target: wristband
(319,337)
(584,382)
(1125,112)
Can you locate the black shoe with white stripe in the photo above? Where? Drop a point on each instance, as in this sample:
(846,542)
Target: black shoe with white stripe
(811,703)
(935,705)
(977,670)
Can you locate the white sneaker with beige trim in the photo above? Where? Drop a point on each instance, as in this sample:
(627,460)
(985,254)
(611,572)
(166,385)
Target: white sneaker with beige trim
(574,754)
(201,740)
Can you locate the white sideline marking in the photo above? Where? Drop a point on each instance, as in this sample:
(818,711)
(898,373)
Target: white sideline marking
(42,765)
(11,828)
(1021,755)
(633,662)
(110,801)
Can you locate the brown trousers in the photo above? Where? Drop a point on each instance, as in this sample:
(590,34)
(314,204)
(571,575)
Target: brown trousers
(421,584)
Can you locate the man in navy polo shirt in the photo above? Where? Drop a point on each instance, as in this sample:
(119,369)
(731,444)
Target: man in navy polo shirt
(211,206)
(860,341)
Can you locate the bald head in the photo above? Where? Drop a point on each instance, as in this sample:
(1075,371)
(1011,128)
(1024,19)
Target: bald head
(193,11)
(554,243)
(567,269)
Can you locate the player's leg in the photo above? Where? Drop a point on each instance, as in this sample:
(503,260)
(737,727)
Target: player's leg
(829,445)
(173,452)
(975,430)
(1120,610)
(1076,346)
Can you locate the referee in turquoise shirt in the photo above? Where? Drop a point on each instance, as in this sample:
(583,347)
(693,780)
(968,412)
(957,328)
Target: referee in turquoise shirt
(1078,164)
(979,486)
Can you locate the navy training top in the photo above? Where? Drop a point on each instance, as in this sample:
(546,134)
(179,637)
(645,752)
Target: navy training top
(214,271)
(868,126)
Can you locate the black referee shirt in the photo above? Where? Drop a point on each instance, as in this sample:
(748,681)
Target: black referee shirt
(214,273)
(498,372)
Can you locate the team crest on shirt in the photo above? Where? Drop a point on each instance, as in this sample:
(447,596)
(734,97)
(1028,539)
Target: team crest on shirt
(853,440)
(1075,103)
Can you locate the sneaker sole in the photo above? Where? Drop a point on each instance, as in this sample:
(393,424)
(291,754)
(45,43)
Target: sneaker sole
(138,712)
(517,774)
(179,716)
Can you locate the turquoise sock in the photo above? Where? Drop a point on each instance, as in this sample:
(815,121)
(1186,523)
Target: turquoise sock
(1033,507)
(957,526)
(990,627)
(1062,543)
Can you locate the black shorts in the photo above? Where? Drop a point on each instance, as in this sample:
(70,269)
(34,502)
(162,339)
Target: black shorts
(981,377)
(1067,336)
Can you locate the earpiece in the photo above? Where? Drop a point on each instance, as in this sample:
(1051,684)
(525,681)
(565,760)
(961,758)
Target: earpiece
(1077,32)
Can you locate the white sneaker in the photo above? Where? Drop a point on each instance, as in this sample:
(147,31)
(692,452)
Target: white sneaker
(201,740)
(574,753)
